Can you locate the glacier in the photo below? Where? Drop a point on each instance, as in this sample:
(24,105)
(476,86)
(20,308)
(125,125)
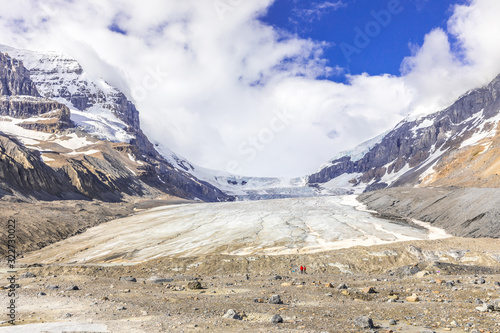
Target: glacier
(271,227)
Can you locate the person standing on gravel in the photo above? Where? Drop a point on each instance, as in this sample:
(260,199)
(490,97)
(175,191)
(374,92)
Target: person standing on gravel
(301,270)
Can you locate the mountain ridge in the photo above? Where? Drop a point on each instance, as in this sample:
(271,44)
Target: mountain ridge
(83,132)
(412,152)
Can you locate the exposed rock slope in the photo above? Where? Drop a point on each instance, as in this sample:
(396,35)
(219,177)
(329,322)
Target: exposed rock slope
(456,146)
(15,78)
(83,137)
(466,212)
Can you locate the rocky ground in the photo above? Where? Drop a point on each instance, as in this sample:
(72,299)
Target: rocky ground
(438,286)
(403,287)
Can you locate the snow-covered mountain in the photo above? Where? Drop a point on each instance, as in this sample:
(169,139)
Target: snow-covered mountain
(67,134)
(458,146)
(96,107)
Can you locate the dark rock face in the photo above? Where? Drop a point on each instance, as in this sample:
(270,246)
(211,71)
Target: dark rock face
(15,78)
(26,107)
(23,171)
(413,142)
(52,122)
(19,98)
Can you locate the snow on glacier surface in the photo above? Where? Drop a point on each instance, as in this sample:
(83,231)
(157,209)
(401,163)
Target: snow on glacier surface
(286,226)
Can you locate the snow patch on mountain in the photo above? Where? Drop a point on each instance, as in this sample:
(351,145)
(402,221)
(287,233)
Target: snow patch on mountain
(357,152)
(486,129)
(33,139)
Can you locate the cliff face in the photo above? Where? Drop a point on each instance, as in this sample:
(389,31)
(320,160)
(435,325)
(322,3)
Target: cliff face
(15,78)
(27,107)
(97,149)
(61,78)
(414,151)
(22,171)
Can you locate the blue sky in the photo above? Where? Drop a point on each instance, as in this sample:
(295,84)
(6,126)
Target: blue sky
(334,22)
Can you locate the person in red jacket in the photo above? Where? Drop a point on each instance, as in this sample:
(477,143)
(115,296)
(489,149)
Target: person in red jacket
(305,270)
(301,270)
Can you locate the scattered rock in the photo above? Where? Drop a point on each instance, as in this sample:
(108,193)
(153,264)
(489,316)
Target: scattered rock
(258,300)
(393,322)
(342,286)
(369,290)
(73,288)
(67,315)
(364,322)
(275,299)
(496,284)
(480,281)
(286,284)
(41,294)
(121,308)
(277,277)
(408,270)
(496,304)
(160,280)
(422,274)
(27,275)
(195,285)
(231,314)
(329,285)
(51,286)
(128,279)
(485,307)
(276,319)
(412,299)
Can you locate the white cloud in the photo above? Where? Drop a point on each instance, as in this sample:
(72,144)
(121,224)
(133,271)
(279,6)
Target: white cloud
(216,85)
(315,11)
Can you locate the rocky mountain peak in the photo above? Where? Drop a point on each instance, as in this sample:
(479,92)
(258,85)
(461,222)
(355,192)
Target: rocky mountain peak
(59,77)
(83,131)
(15,78)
